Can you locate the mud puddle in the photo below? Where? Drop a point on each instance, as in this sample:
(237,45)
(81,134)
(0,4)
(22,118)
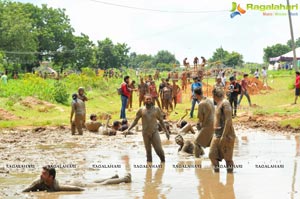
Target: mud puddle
(267,166)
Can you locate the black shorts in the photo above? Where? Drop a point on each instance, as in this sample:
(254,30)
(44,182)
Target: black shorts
(297,91)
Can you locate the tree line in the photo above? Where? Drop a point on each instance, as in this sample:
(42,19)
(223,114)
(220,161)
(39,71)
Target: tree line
(279,49)
(30,34)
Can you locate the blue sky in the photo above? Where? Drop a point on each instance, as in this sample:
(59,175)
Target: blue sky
(185,35)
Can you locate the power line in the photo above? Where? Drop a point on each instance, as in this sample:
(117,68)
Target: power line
(158,10)
(41,53)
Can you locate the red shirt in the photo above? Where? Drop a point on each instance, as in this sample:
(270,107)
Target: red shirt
(244,84)
(125,89)
(297,83)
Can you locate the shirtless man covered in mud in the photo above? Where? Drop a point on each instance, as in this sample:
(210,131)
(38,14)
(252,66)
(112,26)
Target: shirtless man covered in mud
(223,142)
(150,114)
(110,130)
(206,112)
(93,125)
(184,146)
(78,109)
(83,97)
(47,182)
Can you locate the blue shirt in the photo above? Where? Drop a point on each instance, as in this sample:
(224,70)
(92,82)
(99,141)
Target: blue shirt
(194,86)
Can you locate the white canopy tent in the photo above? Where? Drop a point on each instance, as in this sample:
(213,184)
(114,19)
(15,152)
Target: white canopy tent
(287,56)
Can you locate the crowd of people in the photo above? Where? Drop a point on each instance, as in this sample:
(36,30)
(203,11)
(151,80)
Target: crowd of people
(208,123)
(213,129)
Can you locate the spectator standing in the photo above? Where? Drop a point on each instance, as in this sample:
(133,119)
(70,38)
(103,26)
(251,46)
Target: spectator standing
(124,96)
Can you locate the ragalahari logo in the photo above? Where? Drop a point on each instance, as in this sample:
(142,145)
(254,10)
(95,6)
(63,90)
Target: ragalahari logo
(236,10)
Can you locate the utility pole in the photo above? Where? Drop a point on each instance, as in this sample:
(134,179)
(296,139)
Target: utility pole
(292,36)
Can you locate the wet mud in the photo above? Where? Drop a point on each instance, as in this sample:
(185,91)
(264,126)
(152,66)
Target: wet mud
(266,166)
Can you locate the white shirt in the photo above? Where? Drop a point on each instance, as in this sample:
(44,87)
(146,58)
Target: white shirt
(264,73)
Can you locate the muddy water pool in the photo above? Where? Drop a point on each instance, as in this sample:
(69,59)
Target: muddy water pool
(267,166)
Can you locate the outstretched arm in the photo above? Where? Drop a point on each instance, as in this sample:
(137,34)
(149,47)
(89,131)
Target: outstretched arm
(32,187)
(180,120)
(135,121)
(161,122)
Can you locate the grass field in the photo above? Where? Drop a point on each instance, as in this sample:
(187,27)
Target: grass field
(103,99)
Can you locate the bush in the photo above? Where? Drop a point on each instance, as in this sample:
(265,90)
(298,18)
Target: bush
(60,93)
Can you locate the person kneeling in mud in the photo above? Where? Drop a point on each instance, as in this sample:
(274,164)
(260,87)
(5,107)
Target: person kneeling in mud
(93,125)
(221,146)
(47,182)
(78,108)
(184,146)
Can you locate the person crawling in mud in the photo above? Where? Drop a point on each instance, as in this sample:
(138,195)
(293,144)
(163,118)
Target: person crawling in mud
(115,180)
(78,109)
(47,182)
(184,146)
(150,114)
(93,125)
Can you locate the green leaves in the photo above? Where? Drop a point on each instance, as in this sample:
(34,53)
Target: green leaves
(111,55)
(275,51)
(229,59)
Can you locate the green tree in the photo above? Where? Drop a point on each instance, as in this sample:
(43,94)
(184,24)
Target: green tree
(84,53)
(219,55)
(297,43)
(109,55)
(165,57)
(233,59)
(55,34)
(275,51)
(140,60)
(17,39)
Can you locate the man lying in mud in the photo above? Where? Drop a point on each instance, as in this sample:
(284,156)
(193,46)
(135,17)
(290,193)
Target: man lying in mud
(115,180)
(184,126)
(184,146)
(150,114)
(106,181)
(47,182)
